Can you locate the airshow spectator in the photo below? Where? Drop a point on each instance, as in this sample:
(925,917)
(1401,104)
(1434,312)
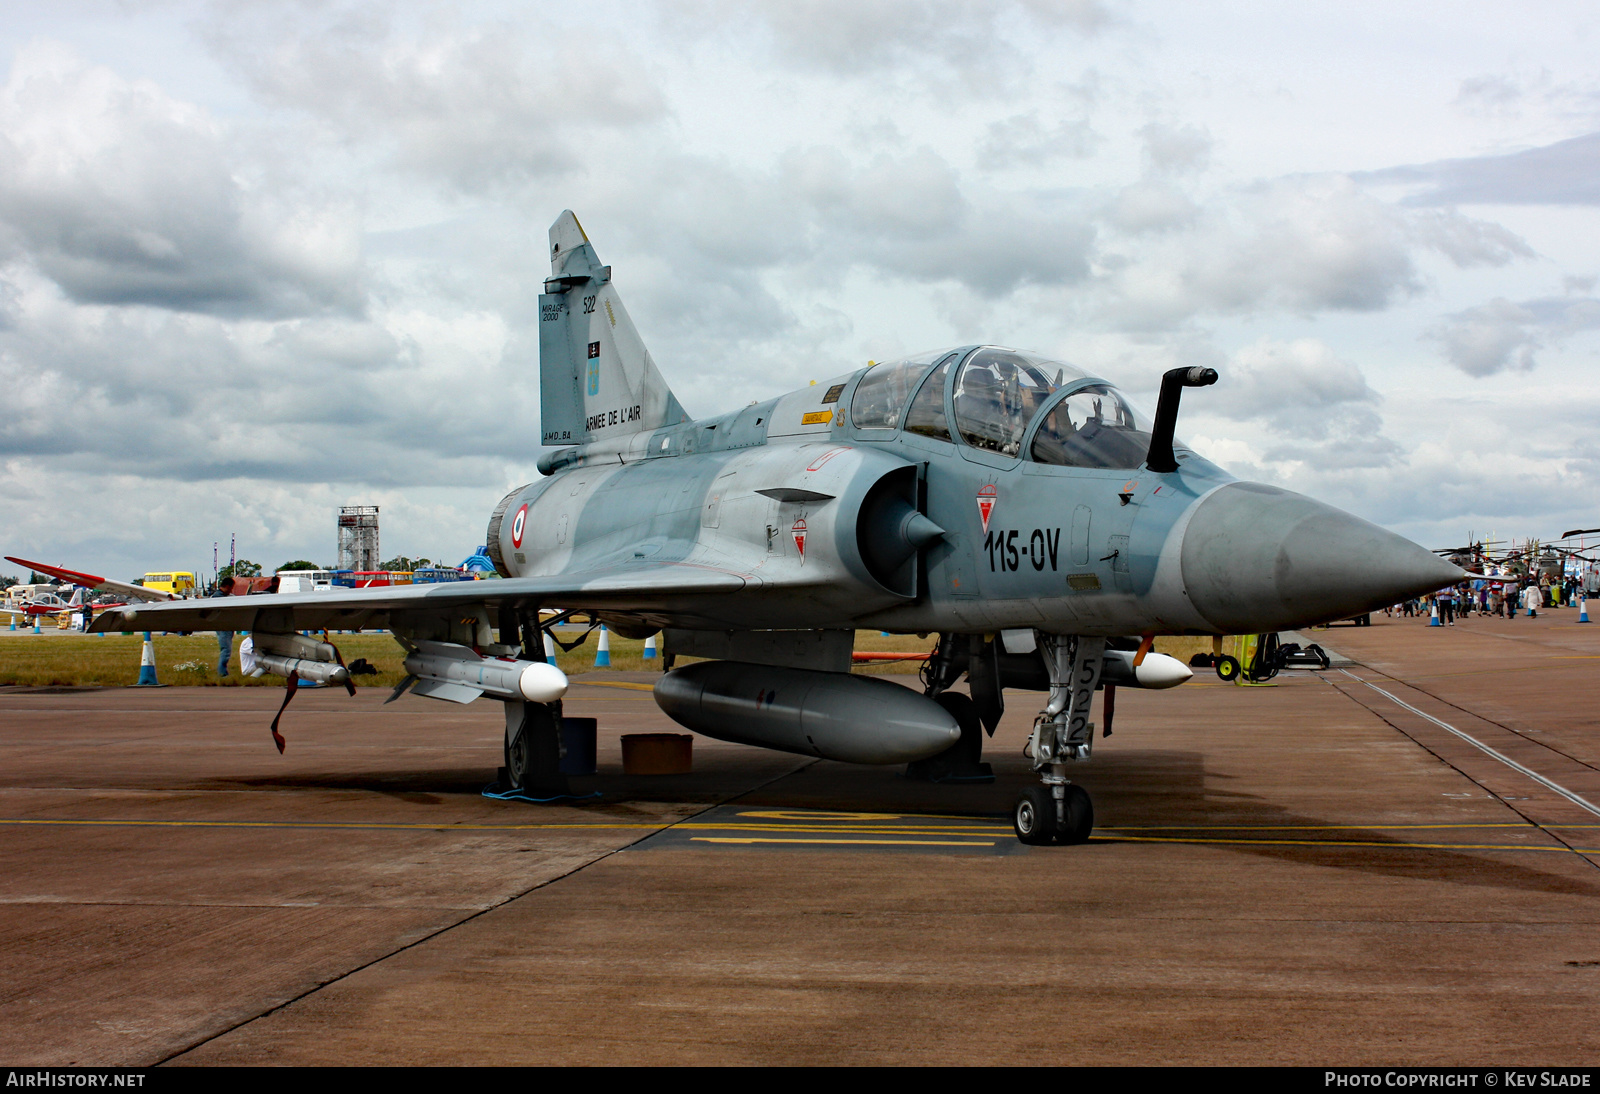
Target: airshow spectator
(1446,599)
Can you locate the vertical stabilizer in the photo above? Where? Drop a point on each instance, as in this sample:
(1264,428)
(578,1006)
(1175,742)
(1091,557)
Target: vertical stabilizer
(596,379)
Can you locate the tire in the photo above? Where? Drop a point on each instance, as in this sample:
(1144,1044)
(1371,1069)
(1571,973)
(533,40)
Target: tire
(1034,817)
(1228,669)
(1080,816)
(523,764)
(519,760)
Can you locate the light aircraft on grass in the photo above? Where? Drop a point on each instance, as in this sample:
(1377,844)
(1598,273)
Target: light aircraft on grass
(42,603)
(975,492)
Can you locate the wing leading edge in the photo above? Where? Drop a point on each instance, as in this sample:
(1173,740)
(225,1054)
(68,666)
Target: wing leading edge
(661,587)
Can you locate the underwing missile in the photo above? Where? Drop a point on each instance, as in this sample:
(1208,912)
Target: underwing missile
(460,674)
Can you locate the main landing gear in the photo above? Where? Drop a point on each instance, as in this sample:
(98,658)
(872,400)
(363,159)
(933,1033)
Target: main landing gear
(1059,811)
(533,750)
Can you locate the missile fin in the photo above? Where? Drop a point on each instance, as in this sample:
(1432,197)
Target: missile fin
(447,690)
(400,689)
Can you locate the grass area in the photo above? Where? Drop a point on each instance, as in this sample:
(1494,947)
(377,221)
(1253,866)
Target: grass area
(74,660)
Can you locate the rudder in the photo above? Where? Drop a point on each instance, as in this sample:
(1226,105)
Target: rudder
(596,379)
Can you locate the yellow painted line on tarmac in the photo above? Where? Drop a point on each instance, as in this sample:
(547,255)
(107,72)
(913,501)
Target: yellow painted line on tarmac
(829,814)
(844,830)
(613,684)
(70,822)
(312,825)
(855,842)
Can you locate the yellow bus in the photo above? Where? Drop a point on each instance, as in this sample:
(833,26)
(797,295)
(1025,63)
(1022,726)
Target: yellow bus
(179,584)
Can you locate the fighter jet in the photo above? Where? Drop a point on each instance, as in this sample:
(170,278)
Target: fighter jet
(1020,507)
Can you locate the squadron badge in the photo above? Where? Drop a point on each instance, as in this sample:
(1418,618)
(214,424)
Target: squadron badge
(987,496)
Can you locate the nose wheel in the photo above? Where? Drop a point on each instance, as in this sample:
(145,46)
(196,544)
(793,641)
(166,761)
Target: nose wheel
(1040,818)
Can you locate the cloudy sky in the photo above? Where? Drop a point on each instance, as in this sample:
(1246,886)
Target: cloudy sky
(258,260)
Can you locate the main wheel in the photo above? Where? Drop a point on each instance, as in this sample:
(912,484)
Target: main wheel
(969,749)
(962,762)
(519,759)
(1034,817)
(1080,816)
(533,755)
(1228,668)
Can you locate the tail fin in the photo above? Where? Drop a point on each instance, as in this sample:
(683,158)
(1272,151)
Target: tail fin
(596,379)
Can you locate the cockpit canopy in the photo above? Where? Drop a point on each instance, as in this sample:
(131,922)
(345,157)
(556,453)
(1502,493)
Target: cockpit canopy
(997,393)
(1092,427)
(996,396)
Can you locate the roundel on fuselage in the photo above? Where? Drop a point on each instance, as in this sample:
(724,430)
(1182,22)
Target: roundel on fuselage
(518,523)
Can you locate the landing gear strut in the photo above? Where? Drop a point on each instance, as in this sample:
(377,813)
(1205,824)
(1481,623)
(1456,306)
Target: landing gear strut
(1059,811)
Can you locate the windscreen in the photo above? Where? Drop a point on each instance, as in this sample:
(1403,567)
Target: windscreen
(883,391)
(925,416)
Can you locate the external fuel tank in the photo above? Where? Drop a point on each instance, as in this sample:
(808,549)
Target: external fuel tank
(857,719)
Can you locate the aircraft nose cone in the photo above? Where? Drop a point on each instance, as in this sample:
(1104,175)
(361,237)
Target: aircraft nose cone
(1257,559)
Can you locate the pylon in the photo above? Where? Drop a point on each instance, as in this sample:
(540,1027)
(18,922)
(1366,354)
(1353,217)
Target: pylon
(1583,608)
(549,648)
(147,663)
(1433,616)
(602,653)
(650,648)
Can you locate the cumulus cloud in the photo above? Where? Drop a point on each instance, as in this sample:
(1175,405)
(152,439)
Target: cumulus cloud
(123,195)
(1023,140)
(1503,334)
(848,38)
(192,316)
(1564,173)
(1316,407)
(1306,244)
(1175,148)
(910,216)
(1488,92)
(481,108)
(391,399)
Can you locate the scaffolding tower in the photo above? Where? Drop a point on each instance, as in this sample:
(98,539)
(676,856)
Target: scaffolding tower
(358,537)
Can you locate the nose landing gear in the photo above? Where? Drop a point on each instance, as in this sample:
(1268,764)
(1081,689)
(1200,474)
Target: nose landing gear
(1059,811)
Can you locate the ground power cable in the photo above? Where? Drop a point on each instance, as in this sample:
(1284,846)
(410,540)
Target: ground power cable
(1485,787)
(413,944)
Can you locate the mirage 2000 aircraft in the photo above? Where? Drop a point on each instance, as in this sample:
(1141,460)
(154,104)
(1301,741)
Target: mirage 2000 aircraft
(1018,507)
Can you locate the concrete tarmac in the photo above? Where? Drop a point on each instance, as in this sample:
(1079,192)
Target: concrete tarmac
(1310,872)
